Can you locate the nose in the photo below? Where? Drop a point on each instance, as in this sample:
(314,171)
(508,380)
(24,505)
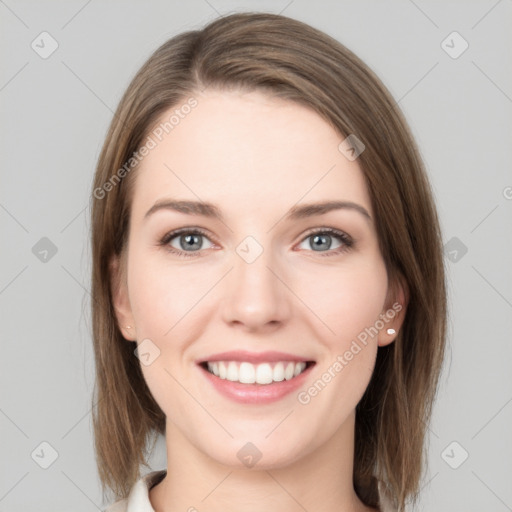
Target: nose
(256,298)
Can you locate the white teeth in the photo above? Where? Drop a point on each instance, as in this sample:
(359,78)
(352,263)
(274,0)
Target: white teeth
(263,373)
(247,373)
(288,373)
(232,371)
(279,372)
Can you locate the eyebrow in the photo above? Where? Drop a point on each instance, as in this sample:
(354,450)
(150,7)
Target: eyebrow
(296,212)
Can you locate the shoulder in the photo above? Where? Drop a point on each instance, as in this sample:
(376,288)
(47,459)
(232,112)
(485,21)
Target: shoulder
(385,498)
(138,499)
(118,506)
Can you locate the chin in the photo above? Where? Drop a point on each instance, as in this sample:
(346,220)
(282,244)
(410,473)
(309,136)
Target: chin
(259,453)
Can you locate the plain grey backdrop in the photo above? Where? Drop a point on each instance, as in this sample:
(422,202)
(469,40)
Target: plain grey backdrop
(64,66)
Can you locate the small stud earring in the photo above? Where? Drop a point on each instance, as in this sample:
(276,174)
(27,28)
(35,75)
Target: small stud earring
(391,331)
(128,326)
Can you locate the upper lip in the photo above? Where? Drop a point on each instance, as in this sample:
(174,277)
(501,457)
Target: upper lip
(253,357)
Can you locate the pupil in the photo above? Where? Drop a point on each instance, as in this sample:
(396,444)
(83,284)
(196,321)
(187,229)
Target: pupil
(323,239)
(191,240)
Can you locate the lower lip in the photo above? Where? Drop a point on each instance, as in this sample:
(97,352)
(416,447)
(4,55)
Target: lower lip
(256,393)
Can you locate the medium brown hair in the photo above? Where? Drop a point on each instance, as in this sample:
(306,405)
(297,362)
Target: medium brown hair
(291,60)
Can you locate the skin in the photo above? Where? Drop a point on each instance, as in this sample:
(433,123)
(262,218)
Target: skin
(241,151)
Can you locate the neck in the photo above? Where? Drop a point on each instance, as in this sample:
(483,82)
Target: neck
(320,480)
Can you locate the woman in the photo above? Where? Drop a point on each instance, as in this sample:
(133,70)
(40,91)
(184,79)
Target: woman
(268,279)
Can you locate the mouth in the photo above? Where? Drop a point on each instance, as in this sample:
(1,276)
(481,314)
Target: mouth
(261,373)
(255,378)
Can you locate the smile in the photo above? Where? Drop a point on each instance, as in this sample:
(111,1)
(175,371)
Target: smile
(262,373)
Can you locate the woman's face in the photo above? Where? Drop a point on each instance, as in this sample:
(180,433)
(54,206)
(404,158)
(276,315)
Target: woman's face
(255,280)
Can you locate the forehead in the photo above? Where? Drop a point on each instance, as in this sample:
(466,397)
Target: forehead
(244,151)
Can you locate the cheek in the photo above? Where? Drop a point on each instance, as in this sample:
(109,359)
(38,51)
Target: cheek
(351,302)
(163,297)
(347,299)
(165,301)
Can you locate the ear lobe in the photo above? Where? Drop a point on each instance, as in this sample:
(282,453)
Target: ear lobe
(120,299)
(393,315)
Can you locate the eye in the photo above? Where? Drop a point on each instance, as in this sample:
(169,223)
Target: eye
(185,242)
(321,240)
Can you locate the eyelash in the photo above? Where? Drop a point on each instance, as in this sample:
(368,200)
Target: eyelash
(343,237)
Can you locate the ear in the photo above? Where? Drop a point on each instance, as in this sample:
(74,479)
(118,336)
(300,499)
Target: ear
(121,300)
(393,314)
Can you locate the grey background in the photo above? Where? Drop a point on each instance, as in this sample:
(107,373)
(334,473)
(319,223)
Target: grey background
(55,113)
